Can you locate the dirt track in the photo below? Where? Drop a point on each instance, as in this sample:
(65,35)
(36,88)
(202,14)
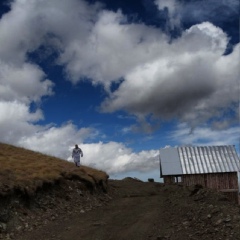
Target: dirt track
(148,211)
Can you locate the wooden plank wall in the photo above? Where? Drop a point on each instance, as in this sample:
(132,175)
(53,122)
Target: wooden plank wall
(168,179)
(224,182)
(192,179)
(213,180)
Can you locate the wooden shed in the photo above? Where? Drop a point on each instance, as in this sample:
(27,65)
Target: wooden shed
(213,167)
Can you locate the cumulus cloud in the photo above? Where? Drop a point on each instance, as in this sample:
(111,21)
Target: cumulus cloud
(179,78)
(113,48)
(205,136)
(115,157)
(16,121)
(24,83)
(56,141)
(90,41)
(193,80)
(19,127)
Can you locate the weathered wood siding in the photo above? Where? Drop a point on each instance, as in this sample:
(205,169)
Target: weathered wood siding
(168,179)
(224,182)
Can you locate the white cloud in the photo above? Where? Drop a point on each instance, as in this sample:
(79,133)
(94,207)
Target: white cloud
(206,136)
(24,83)
(20,32)
(16,121)
(181,78)
(112,49)
(56,141)
(19,127)
(90,41)
(114,157)
(203,37)
(192,80)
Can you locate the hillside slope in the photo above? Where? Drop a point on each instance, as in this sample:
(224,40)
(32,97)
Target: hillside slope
(36,185)
(27,171)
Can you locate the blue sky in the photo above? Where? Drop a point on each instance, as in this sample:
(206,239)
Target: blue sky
(120,78)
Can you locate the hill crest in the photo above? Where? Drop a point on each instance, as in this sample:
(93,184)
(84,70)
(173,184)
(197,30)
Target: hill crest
(27,171)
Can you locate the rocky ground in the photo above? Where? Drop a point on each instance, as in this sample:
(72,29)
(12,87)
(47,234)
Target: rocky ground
(130,209)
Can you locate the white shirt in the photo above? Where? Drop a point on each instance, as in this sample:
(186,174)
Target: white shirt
(77,152)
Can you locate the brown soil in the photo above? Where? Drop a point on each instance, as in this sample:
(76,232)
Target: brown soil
(131,209)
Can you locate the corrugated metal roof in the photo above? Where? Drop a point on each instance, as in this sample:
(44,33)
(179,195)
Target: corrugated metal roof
(198,160)
(171,164)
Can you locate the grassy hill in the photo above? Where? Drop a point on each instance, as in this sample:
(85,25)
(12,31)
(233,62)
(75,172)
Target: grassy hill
(26,171)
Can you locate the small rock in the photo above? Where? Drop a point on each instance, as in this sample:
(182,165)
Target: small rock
(21,219)
(185,223)
(3,227)
(18,228)
(228,219)
(8,237)
(218,222)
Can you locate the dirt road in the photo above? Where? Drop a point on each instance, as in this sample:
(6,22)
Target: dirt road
(132,214)
(119,220)
(142,211)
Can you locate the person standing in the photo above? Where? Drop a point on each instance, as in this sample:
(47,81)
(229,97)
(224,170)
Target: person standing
(76,153)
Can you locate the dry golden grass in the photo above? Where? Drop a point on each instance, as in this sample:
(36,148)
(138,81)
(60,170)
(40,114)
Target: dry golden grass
(25,170)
